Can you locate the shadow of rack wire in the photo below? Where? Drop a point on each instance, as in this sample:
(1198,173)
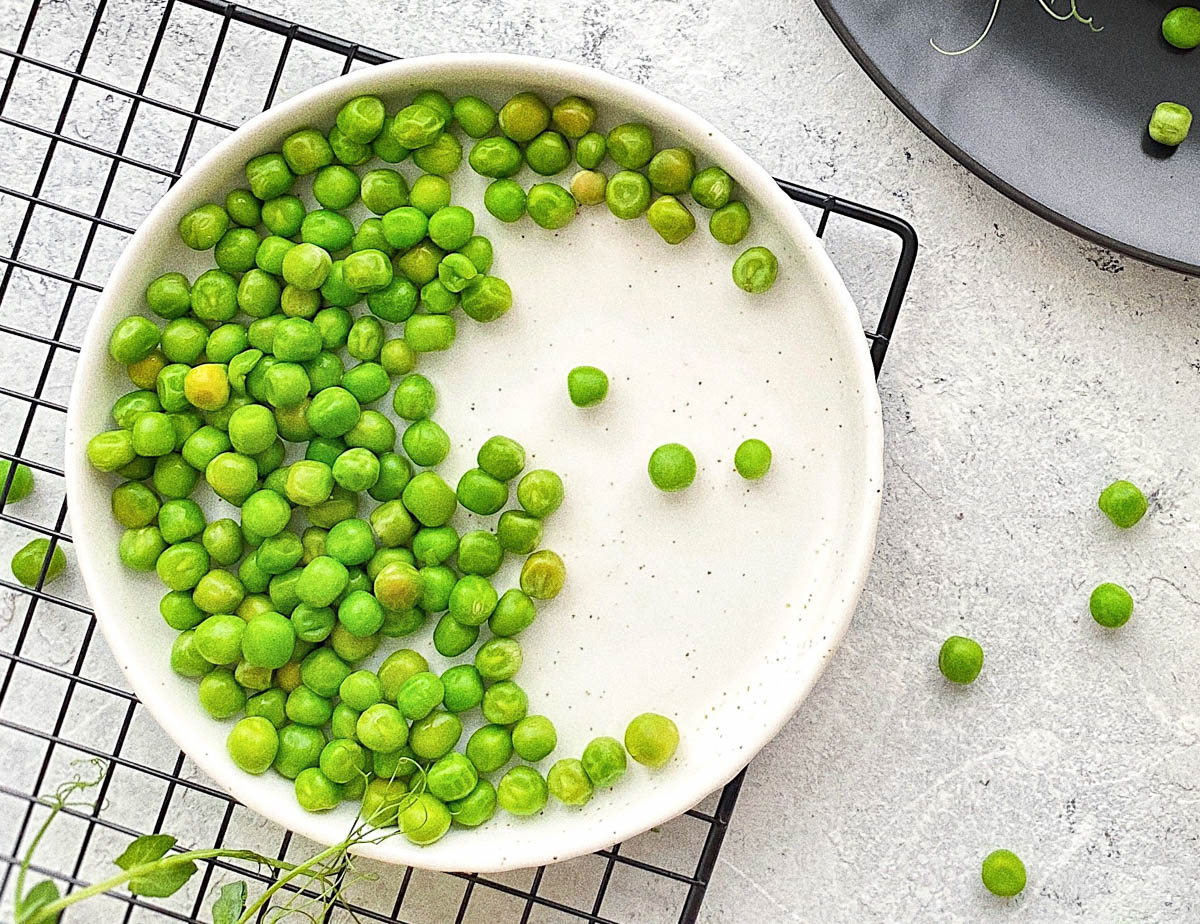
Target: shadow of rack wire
(82,141)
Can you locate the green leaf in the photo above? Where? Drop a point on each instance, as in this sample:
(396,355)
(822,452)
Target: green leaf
(230,903)
(163,879)
(35,900)
(145,849)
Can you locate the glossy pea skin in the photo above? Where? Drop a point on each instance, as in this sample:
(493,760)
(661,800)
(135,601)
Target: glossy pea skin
(434,545)
(627,194)
(429,193)
(202,227)
(416,126)
(451,777)
(712,187)
(30,560)
(631,145)
(573,116)
(548,153)
(316,792)
(462,688)
(435,735)
(651,739)
(513,614)
(505,703)
(252,744)
(424,820)
(132,339)
(505,199)
(306,151)
(220,694)
(550,206)
(588,187)
(522,791)
(1181,27)
(1003,873)
(361,119)
(133,504)
(420,695)
(604,761)
(752,459)
(486,298)
(524,117)
(489,748)
(501,457)
(671,171)
(543,575)
(587,386)
(730,223)
(1123,503)
(1110,605)
(169,296)
(474,116)
(430,499)
(534,738)
(451,638)
(441,157)
(590,150)
(540,492)
(671,219)
(1170,123)
(568,782)
(498,659)
(480,493)
(672,467)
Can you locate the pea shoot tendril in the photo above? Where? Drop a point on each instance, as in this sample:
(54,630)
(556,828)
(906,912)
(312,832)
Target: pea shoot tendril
(1047,5)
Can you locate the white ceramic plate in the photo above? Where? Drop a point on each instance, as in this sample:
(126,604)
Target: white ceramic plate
(718,606)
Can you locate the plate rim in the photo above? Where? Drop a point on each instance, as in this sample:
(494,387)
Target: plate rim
(943,141)
(861,528)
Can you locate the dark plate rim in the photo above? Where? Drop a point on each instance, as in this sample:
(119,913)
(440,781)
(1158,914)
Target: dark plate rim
(905,105)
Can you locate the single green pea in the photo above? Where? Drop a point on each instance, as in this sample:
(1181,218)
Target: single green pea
(672,170)
(373,431)
(429,193)
(342,759)
(1123,503)
(424,819)
(960,659)
(326,229)
(651,739)
(181,566)
(269,704)
(568,782)
(268,640)
(283,216)
(312,623)
(386,147)
(472,600)
(226,342)
(279,553)
(420,695)
(333,412)
(518,532)
(361,119)
(348,151)
(335,186)
(590,150)
(548,153)
(398,586)
(316,792)
(369,236)
(490,748)
(322,581)
(219,592)
(550,206)
(524,117)
(435,735)
(1003,873)
(429,333)
(573,116)
(480,553)
(462,688)
(361,690)
(268,176)
(474,116)
(1169,123)
(480,493)
(153,435)
(442,157)
(1181,27)
(729,223)
(203,226)
(420,263)
(587,386)
(437,583)
(505,703)
(220,694)
(219,638)
(604,761)
(505,199)
(223,540)
(180,520)
(451,227)
(252,744)
(712,187)
(236,250)
(404,227)
(185,660)
(627,194)
(501,457)
(451,777)
(266,513)
(300,748)
(451,638)
(35,557)
(383,190)
(397,668)
(543,575)
(434,545)
(514,613)
(672,467)
(306,151)
(534,738)
(540,492)
(133,339)
(455,273)
(417,125)
(671,219)
(588,187)
(522,791)
(127,408)
(425,442)
(631,145)
(486,298)
(242,206)
(477,807)
(133,504)
(138,548)
(752,459)
(169,296)
(1111,605)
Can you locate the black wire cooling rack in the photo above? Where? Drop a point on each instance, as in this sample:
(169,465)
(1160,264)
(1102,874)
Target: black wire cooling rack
(77,178)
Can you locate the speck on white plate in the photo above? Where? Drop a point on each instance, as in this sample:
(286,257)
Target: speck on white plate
(718,606)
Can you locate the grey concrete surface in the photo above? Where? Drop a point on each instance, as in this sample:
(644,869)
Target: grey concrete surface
(1029,369)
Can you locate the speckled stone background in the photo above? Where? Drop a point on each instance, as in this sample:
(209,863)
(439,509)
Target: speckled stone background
(1028,370)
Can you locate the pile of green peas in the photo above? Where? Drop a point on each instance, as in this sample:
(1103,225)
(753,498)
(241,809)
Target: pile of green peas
(262,383)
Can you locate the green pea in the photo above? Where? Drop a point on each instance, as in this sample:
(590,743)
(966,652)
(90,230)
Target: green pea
(451,638)
(477,807)
(133,339)
(386,147)
(404,227)
(548,153)
(236,250)
(588,187)
(514,613)
(333,412)
(220,694)
(1181,27)
(505,703)
(540,492)
(712,187)
(434,545)
(534,738)
(361,119)
(417,125)
(587,386)
(752,459)
(543,575)
(1003,873)
(480,493)
(755,270)
(505,199)
(519,532)
(426,333)
(383,190)
(631,145)
(472,600)
(132,405)
(604,761)
(203,226)
(1169,123)
(1123,503)
(283,216)
(730,223)
(573,116)
(442,157)
(300,748)
(490,748)
(180,520)
(1111,605)
(424,820)
(35,557)
(322,671)
(672,170)
(138,548)
(342,759)
(590,150)
(524,117)
(397,668)
(627,194)
(522,791)
(463,688)
(672,467)
(268,640)
(252,744)
(550,206)
(451,777)
(960,659)
(420,695)
(429,193)
(499,659)
(153,435)
(478,249)
(316,792)
(455,273)
(348,151)
(269,176)
(486,298)
(373,431)
(651,739)
(169,296)
(671,219)
(568,782)
(437,583)
(133,504)
(185,660)
(351,541)
(306,151)
(322,581)
(474,116)
(435,735)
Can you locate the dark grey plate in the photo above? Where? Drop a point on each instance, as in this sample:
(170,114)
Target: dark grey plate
(1051,114)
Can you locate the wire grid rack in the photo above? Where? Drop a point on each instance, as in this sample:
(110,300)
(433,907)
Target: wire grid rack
(75,135)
